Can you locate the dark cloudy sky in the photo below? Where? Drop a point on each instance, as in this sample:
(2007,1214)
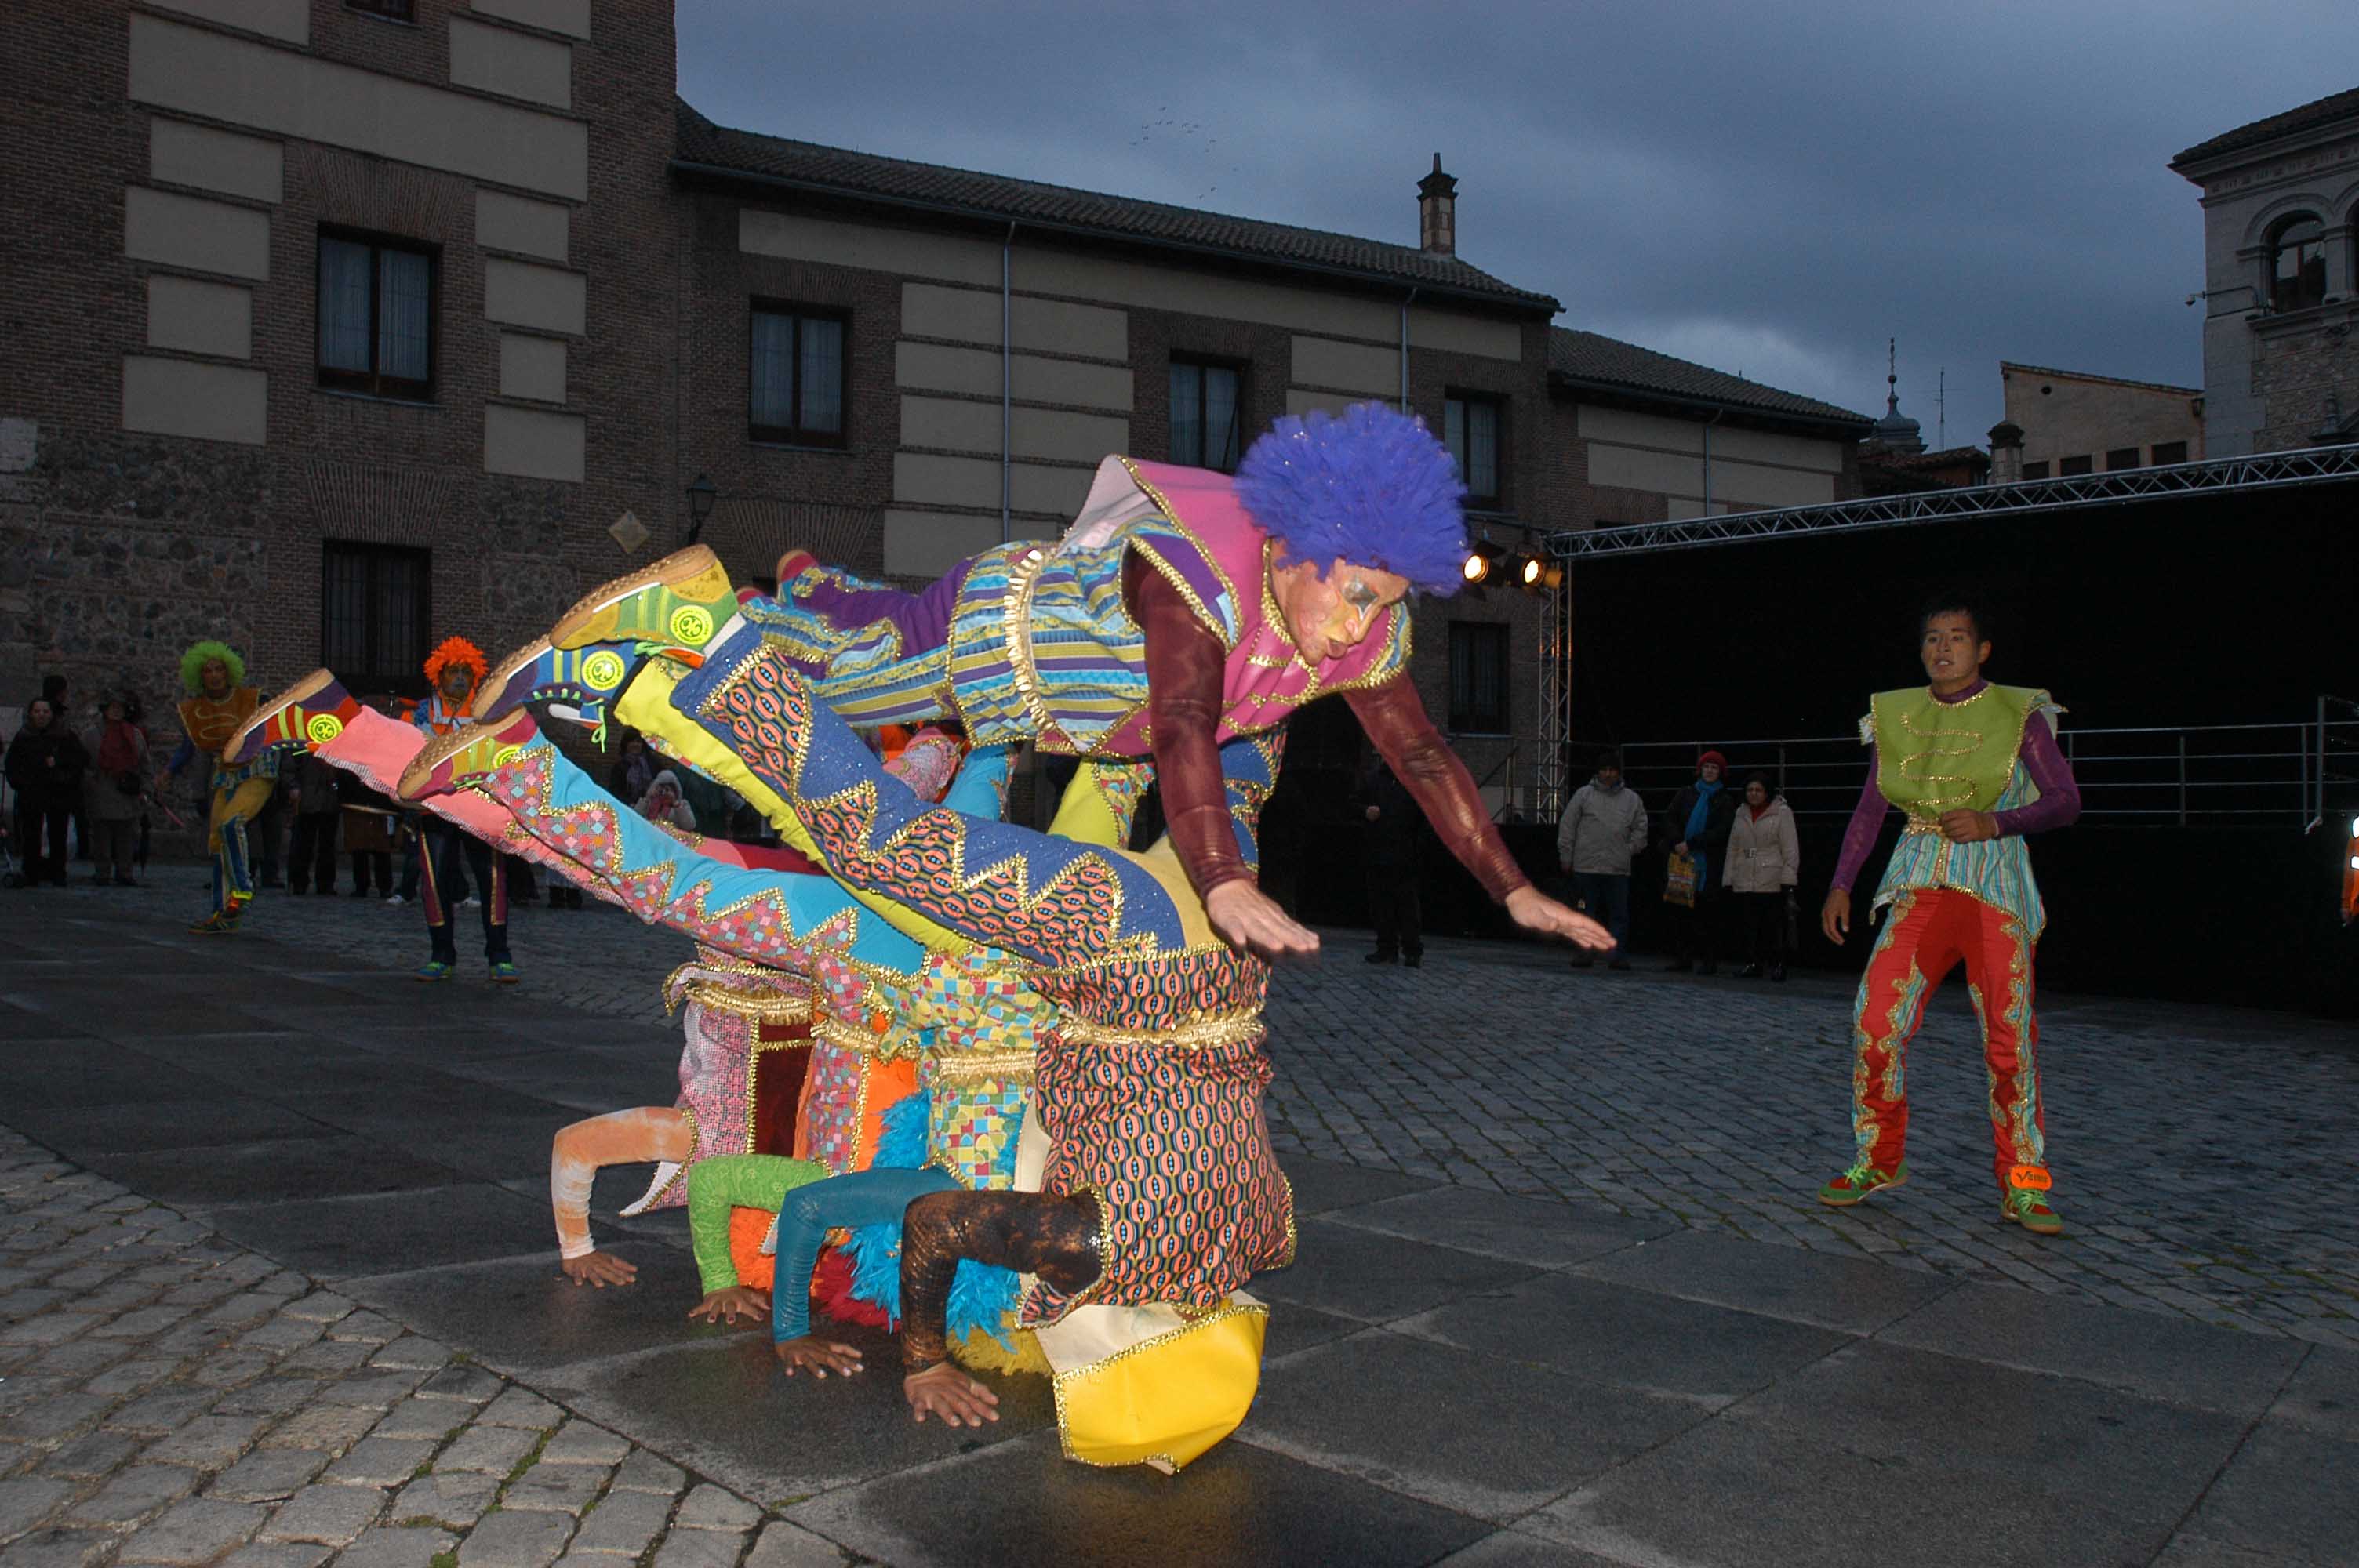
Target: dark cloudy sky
(1769,187)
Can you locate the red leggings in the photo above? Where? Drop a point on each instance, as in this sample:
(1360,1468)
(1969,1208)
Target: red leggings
(1927,931)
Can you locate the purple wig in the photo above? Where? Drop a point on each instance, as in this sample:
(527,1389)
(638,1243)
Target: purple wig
(1374,487)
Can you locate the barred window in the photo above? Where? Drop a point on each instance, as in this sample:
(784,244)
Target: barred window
(373,614)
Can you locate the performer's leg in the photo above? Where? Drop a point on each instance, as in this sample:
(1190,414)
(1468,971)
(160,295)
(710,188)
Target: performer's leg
(438,855)
(1998,959)
(490,871)
(1917,947)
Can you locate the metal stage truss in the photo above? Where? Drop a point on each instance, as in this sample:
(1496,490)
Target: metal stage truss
(2119,487)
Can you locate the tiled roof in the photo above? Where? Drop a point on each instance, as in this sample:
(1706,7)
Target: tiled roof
(1597,361)
(933,187)
(2325,111)
(1947,457)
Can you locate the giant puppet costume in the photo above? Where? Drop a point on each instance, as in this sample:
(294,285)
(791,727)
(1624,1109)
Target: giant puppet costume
(217,704)
(1184,608)
(1973,770)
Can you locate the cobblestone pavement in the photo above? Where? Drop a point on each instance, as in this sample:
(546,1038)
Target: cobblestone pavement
(2203,1154)
(169,1398)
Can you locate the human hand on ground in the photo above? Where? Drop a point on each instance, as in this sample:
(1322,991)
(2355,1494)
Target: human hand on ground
(1246,917)
(1835,919)
(809,1353)
(729,1305)
(1534,911)
(950,1395)
(599,1270)
(1968,827)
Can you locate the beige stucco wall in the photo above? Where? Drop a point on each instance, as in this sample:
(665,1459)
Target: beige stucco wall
(200,318)
(182,398)
(2088,418)
(183,153)
(1665,454)
(1346,367)
(265,89)
(520,293)
(1300,400)
(532,367)
(504,223)
(928,544)
(518,65)
(533,442)
(191,232)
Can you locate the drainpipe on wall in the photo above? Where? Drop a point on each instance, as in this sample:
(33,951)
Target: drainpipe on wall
(1404,349)
(1006,384)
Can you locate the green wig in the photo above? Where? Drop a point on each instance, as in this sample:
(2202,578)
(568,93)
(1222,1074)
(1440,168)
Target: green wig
(193,661)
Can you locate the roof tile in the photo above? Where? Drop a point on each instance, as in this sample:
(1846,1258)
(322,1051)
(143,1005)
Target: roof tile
(1590,357)
(2323,112)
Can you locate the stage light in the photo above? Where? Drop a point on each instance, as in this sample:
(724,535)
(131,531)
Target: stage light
(1482,555)
(1529,570)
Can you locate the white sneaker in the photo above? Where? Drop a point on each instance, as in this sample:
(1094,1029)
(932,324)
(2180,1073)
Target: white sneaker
(394,898)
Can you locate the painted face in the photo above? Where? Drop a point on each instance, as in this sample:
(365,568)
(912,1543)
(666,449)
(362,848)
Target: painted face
(457,681)
(1953,651)
(1328,617)
(214,678)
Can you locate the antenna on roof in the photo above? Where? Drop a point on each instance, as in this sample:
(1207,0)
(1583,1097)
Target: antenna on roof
(1942,406)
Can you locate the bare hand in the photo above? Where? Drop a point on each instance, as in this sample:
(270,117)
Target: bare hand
(1680,847)
(1375,812)
(1968,827)
(599,1270)
(1534,911)
(957,1399)
(729,1305)
(1246,917)
(1835,918)
(809,1353)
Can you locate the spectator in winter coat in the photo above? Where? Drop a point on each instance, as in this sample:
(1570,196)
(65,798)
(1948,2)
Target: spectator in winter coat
(664,803)
(1393,823)
(1697,825)
(44,767)
(319,806)
(1602,828)
(1764,859)
(112,796)
(632,773)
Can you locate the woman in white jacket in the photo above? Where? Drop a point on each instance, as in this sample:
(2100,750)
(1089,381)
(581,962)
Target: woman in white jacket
(1764,861)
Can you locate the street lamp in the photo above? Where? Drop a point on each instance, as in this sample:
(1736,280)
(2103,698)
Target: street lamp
(700,497)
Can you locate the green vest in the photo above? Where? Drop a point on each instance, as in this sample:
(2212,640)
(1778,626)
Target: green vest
(1934,756)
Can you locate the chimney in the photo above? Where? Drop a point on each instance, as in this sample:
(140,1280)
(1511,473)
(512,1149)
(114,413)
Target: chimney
(2007,452)
(1437,212)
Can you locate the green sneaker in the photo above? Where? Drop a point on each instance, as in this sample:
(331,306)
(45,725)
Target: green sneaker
(505,973)
(437,970)
(1859,1181)
(2029,1209)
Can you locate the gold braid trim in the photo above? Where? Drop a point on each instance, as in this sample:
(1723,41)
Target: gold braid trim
(1237,1030)
(718,998)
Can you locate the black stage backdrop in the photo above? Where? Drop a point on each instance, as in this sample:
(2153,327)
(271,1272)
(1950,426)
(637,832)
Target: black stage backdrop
(2194,611)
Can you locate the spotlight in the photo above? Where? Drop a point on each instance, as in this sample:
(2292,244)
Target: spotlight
(1526,570)
(1482,555)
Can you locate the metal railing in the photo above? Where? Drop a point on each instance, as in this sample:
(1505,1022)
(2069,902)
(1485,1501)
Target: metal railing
(2281,774)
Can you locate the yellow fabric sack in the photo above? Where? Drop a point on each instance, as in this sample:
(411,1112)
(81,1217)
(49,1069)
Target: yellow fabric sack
(1160,1400)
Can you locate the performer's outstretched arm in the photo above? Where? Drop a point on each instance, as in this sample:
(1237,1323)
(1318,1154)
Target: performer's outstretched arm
(1032,1233)
(875,1196)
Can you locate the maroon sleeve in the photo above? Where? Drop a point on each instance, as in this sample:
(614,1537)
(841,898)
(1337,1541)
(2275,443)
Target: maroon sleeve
(1184,664)
(1427,767)
(1867,822)
(2058,805)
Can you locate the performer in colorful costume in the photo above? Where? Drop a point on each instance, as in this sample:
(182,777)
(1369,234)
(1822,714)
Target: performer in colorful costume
(1185,609)
(454,669)
(1974,767)
(219,702)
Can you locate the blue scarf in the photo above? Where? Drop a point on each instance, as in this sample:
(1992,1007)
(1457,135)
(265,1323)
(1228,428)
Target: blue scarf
(1701,816)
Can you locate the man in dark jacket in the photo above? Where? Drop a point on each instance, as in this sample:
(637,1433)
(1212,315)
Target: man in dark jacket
(44,767)
(1394,820)
(1697,825)
(318,808)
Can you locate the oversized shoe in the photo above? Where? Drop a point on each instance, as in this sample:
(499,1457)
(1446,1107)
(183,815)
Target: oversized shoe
(673,608)
(303,717)
(451,762)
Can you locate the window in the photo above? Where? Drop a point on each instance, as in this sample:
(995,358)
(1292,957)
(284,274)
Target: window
(1478,678)
(2297,262)
(1207,414)
(2122,457)
(2036,471)
(1470,428)
(391,10)
(796,392)
(2170,452)
(2068,466)
(376,316)
(374,615)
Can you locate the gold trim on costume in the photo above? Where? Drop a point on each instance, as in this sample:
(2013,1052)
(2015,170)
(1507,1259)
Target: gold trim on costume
(1154,492)
(1237,1029)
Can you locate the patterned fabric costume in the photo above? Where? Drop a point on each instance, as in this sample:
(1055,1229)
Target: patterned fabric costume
(1974,904)
(236,793)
